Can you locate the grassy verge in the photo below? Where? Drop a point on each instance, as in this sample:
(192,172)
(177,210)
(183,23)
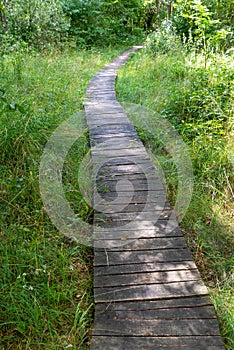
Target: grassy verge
(45,279)
(198,101)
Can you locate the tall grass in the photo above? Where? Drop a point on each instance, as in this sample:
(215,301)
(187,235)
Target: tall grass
(198,100)
(45,279)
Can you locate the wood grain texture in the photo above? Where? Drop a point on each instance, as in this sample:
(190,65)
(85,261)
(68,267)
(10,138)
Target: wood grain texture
(150,291)
(153,343)
(177,303)
(149,328)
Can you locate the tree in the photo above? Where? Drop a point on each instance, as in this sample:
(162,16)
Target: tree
(96,22)
(3,11)
(36,22)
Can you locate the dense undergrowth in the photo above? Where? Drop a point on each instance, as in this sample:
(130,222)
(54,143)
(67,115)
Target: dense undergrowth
(196,96)
(45,278)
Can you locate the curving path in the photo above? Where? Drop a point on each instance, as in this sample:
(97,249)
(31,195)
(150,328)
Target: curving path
(148,292)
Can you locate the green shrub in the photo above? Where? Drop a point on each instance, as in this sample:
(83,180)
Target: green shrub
(163,40)
(100,23)
(36,22)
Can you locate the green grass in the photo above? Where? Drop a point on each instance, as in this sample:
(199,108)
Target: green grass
(46,297)
(198,102)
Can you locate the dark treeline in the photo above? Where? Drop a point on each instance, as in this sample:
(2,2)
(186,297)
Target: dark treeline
(85,23)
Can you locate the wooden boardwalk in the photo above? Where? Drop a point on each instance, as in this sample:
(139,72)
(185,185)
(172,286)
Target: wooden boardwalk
(148,292)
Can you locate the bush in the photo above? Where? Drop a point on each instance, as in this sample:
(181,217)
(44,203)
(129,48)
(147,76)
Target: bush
(163,40)
(101,23)
(38,23)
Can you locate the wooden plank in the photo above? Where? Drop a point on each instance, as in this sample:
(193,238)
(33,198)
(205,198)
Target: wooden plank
(105,107)
(146,278)
(128,135)
(114,142)
(124,243)
(104,175)
(134,257)
(156,343)
(103,158)
(152,244)
(104,96)
(143,267)
(123,237)
(93,121)
(124,159)
(147,328)
(120,218)
(135,229)
(151,291)
(184,302)
(120,207)
(123,132)
(136,198)
(130,198)
(125,166)
(101,87)
(113,129)
(101,97)
(107,116)
(125,181)
(94,92)
(173,313)
(123,152)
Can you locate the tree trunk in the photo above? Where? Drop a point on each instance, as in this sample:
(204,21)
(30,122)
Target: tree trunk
(3,12)
(158,11)
(169,11)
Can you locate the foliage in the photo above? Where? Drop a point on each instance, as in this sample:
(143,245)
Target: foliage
(99,23)
(35,22)
(163,40)
(193,20)
(104,22)
(224,10)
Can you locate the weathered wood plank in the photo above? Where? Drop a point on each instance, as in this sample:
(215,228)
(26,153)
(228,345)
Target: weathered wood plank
(122,152)
(124,166)
(184,302)
(122,217)
(130,208)
(173,313)
(135,229)
(143,267)
(134,257)
(113,129)
(152,244)
(136,198)
(156,343)
(154,328)
(146,278)
(123,239)
(105,176)
(114,146)
(151,291)
(99,159)
(107,139)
